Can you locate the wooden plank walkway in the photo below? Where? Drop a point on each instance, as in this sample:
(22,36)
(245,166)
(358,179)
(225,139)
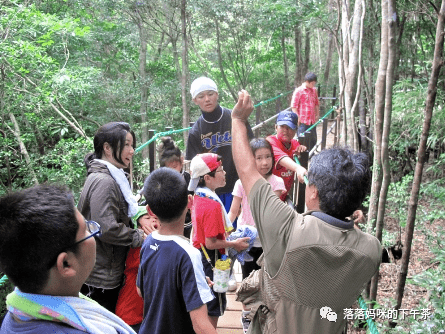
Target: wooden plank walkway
(230,322)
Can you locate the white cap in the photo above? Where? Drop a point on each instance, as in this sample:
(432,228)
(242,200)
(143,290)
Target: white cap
(202,84)
(201,165)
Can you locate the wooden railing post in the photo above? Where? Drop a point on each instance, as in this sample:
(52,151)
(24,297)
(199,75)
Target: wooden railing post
(334,99)
(151,150)
(337,127)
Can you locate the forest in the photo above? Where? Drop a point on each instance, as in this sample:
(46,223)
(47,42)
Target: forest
(69,66)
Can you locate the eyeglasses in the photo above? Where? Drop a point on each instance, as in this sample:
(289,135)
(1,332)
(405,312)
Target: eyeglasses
(94,229)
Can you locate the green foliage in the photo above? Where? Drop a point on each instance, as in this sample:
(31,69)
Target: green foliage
(407,122)
(433,281)
(5,289)
(397,199)
(64,164)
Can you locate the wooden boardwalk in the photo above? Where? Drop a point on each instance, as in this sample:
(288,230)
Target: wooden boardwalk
(230,322)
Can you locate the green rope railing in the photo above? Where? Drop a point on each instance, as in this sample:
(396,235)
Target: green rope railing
(319,121)
(167,133)
(371,325)
(160,134)
(272,99)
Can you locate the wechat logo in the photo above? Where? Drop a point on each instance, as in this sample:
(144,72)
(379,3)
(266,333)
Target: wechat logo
(327,313)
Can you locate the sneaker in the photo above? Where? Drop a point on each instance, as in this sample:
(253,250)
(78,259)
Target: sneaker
(245,322)
(232,283)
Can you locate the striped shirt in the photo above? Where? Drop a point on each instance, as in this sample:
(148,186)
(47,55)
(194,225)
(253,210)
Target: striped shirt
(305,99)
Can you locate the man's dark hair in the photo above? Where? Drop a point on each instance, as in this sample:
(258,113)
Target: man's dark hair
(202,182)
(168,152)
(165,191)
(310,76)
(35,226)
(342,179)
(113,133)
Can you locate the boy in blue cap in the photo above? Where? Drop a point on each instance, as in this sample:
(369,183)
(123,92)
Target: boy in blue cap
(284,147)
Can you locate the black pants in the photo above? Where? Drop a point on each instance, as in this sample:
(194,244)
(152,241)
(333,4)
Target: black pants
(105,297)
(250,266)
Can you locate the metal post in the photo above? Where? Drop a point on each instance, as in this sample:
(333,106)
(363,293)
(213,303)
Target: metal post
(304,158)
(319,90)
(151,150)
(303,140)
(191,124)
(324,133)
(168,128)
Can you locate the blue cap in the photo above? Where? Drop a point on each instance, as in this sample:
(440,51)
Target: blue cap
(288,118)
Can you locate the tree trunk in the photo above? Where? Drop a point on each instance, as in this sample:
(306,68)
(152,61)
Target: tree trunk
(362,116)
(220,62)
(378,118)
(351,41)
(401,26)
(307,51)
(298,61)
(285,65)
(330,49)
(438,61)
(23,150)
(328,58)
(143,85)
(185,108)
(392,14)
(358,96)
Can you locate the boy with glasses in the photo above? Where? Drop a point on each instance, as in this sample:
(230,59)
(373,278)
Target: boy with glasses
(47,250)
(211,221)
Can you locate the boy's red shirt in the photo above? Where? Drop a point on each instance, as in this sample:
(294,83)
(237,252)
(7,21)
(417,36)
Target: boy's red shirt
(280,151)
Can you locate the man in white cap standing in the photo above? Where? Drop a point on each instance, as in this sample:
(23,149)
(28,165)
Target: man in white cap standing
(212,133)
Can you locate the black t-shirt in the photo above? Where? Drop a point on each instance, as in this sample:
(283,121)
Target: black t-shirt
(212,133)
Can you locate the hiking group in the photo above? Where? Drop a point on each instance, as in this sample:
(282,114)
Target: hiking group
(112,265)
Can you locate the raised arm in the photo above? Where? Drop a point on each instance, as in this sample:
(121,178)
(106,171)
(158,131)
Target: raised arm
(242,154)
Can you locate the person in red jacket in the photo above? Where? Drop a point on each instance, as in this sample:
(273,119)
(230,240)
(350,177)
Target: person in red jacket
(284,148)
(130,305)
